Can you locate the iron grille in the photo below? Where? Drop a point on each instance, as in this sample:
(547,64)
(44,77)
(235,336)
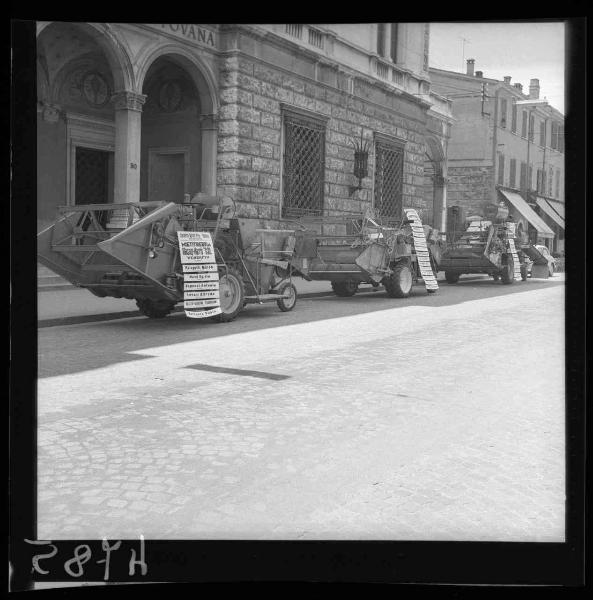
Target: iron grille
(388,181)
(304,166)
(91,176)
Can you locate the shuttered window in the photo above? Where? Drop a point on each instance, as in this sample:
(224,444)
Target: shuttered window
(523,176)
(501,169)
(542,133)
(524,124)
(503,112)
(514,118)
(512,172)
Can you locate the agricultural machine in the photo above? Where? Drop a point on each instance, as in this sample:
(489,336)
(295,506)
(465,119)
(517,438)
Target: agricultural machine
(131,251)
(486,246)
(363,251)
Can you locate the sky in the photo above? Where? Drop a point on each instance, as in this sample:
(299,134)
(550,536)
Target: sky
(522,50)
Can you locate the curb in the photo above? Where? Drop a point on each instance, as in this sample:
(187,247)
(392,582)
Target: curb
(128,314)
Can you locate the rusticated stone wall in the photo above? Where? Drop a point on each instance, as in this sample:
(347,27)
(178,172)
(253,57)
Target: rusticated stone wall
(252,95)
(470,187)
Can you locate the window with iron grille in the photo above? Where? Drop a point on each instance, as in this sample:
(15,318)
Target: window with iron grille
(294,29)
(303,166)
(500,169)
(389,171)
(512,172)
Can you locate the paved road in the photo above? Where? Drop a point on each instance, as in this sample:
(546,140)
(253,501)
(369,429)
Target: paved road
(434,417)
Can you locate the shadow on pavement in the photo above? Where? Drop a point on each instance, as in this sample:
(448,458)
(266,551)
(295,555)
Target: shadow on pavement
(75,348)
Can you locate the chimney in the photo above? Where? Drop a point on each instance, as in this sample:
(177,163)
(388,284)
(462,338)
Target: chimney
(479,74)
(534,89)
(519,86)
(470,66)
(507,80)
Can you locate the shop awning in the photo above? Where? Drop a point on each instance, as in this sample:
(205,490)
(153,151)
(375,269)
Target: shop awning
(526,211)
(547,208)
(557,206)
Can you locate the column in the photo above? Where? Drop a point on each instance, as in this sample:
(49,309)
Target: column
(209,128)
(128,122)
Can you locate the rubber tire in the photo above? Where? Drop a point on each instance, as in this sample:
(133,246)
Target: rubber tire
(451,277)
(154,309)
(507,275)
(523,273)
(238,305)
(284,304)
(393,283)
(345,288)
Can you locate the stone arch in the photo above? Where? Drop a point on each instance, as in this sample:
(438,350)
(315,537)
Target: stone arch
(196,68)
(109,43)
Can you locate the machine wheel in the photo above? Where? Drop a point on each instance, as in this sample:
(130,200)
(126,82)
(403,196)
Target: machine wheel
(495,276)
(523,273)
(507,274)
(345,288)
(154,309)
(399,283)
(232,295)
(287,304)
(451,277)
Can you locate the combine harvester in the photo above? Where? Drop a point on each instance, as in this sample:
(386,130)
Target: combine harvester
(489,246)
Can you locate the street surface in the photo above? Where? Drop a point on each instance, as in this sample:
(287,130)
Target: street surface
(435,417)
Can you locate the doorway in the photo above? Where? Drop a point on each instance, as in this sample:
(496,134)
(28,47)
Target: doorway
(168,169)
(93,176)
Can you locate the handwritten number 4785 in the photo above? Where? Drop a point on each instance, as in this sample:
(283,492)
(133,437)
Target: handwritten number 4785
(82,554)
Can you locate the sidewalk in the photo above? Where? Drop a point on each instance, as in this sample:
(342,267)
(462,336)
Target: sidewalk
(60,303)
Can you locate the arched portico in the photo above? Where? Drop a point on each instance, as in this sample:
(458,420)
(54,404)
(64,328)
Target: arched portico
(179,128)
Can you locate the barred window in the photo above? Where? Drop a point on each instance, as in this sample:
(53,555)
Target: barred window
(389,171)
(303,166)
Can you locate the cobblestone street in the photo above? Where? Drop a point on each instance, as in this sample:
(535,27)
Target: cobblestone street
(407,421)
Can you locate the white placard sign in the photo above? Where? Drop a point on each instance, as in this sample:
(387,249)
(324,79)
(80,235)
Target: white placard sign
(201,295)
(421,249)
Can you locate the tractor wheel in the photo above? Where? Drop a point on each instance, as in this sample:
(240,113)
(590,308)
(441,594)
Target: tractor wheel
(399,283)
(287,304)
(232,295)
(451,277)
(345,288)
(154,309)
(507,275)
(523,273)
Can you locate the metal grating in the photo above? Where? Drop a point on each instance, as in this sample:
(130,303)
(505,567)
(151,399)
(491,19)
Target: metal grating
(91,176)
(388,180)
(304,166)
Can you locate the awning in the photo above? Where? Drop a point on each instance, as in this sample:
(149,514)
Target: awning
(526,211)
(557,206)
(545,206)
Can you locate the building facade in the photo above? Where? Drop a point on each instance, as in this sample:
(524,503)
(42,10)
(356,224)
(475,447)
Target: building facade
(269,115)
(506,145)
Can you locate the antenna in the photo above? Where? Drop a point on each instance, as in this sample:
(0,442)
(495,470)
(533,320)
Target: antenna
(463,42)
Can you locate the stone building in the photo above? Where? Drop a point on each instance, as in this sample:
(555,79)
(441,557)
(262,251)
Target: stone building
(507,146)
(266,114)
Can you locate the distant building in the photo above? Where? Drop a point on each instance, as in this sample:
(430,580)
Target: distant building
(505,145)
(266,114)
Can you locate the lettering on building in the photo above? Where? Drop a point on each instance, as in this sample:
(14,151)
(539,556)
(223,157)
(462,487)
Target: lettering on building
(190,32)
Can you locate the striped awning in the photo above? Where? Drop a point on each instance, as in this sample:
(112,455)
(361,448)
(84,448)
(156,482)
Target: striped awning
(547,208)
(557,206)
(526,211)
